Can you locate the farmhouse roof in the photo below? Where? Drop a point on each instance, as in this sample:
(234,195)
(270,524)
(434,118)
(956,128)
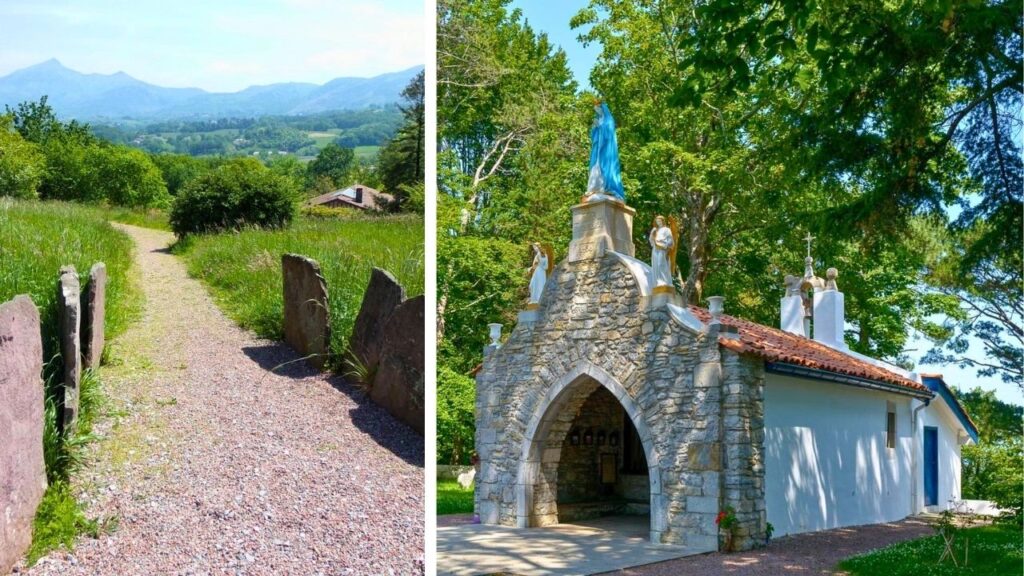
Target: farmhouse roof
(778,346)
(371,198)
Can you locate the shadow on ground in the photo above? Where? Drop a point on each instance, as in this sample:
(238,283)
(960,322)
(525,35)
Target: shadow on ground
(367,416)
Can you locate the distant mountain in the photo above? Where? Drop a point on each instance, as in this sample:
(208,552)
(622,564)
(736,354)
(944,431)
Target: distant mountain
(119,96)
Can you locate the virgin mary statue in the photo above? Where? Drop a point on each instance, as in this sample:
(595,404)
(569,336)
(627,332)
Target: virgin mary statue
(605,172)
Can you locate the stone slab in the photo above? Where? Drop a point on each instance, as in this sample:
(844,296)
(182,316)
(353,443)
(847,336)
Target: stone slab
(307,322)
(94,304)
(590,547)
(398,383)
(69,321)
(383,294)
(22,472)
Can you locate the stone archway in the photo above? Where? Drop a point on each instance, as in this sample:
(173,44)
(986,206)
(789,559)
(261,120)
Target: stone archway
(541,447)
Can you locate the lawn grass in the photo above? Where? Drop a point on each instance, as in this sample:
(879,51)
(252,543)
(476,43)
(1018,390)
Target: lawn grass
(36,239)
(453,499)
(243,270)
(992,551)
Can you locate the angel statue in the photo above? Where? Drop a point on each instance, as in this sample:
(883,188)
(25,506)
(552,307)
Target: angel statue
(543,262)
(664,238)
(605,171)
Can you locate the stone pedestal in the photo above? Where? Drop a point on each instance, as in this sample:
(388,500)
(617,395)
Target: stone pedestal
(598,225)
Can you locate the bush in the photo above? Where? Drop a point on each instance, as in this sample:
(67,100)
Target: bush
(242,193)
(995,471)
(21,163)
(456,401)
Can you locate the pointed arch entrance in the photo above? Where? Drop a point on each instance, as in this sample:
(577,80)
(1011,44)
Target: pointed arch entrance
(551,422)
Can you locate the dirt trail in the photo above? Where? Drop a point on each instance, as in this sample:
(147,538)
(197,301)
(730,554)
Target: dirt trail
(212,464)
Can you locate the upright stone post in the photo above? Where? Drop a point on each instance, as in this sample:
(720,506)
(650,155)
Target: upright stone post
(743,442)
(69,318)
(22,472)
(307,321)
(94,303)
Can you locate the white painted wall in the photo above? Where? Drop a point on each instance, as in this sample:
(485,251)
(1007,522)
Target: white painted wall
(939,415)
(826,464)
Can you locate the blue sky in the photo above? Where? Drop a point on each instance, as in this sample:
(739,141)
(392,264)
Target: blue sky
(553,18)
(219,45)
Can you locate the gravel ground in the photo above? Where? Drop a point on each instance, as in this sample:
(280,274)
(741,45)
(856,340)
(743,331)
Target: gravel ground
(806,554)
(211,464)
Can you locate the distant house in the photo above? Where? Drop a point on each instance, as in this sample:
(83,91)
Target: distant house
(355,196)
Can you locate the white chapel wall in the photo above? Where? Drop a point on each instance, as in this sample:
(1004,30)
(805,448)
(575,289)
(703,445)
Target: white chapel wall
(939,415)
(826,463)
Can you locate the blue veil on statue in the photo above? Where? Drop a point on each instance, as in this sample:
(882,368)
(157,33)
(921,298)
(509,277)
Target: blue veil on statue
(605,171)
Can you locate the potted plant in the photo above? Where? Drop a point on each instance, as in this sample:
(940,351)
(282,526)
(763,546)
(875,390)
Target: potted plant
(768,530)
(726,521)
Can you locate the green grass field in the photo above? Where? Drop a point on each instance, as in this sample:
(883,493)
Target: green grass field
(243,270)
(453,499)
(991,551)
(37,238)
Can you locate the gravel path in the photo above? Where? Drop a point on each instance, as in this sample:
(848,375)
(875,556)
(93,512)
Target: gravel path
(211,464)
(808,554)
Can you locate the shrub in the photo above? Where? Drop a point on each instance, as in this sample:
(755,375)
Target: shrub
(456,399)
(242,193)
(21,163)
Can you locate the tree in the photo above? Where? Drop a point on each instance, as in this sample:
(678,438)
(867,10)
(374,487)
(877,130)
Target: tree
(456,409)
(21,163)
(851,67)
(178,169)
(124,176)
(36,122)
(334,163)
(400,162)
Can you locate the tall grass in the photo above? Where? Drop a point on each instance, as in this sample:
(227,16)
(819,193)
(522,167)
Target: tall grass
(36,239)
(243,269)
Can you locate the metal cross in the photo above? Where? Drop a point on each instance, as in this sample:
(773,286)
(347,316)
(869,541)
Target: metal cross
(808,240)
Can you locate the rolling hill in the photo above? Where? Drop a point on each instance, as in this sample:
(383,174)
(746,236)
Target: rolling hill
(93,97)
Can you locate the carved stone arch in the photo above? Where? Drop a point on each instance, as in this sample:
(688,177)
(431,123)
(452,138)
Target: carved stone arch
(582,375)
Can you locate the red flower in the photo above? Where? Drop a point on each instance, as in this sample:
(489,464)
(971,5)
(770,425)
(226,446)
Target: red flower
(719,518)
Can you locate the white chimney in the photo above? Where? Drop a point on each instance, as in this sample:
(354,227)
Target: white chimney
(829,313)
(792,319)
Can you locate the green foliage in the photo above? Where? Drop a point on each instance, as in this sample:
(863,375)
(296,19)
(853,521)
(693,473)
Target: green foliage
(80,167)
(21,163)
(993,551)
(456,401)
(243,270)
(993,471)
(37,238)
(453,499)
(400,162)
(58,522)
(480,280)
(239,194)
(122,176)
(996,420)
(333,163)
(179,169)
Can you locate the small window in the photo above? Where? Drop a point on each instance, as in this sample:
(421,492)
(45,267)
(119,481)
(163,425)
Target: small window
(890,429)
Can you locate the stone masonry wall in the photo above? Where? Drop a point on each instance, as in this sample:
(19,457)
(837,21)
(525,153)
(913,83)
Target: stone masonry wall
(594,329)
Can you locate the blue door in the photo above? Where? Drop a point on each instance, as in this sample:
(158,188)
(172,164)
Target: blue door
(931,466)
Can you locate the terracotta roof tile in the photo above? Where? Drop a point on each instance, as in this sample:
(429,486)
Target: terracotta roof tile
(776,345)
